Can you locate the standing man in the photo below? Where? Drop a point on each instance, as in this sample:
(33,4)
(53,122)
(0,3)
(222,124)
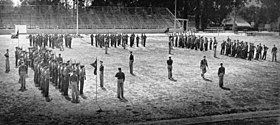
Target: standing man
(7,61)
(17,56)
(91,39)
(59,58)
(22,70)
(211,41)
(274,52)
(121,78)
(30,39)
(82,79)
(101,69)
(264,52)
(203,65)
(169,67)
(74,87)
(221,73)
(131,60)
(215,47)
(137,40)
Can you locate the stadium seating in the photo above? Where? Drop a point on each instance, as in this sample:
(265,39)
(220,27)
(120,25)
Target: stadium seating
(58,17)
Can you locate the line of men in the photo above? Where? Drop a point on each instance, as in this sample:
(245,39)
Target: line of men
(191,41)
(243,50)
(51,40)
(114,40)
(49,68)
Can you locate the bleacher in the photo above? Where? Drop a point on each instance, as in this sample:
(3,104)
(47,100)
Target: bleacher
(111,17)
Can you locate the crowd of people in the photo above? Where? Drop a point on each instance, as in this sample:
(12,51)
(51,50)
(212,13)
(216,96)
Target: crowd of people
(191,41)
(116,40)
(51,40)
(245,50)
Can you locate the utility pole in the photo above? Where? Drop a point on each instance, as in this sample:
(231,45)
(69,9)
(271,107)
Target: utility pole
(175,14)
(234,16)
(77,5)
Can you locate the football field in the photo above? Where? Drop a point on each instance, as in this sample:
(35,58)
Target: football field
(255,85)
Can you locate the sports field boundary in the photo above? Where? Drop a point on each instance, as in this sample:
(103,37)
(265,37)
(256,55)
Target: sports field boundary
(214,118)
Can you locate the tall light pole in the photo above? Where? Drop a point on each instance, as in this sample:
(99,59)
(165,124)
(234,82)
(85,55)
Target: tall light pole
(77,5)
(175,14)
(234,16)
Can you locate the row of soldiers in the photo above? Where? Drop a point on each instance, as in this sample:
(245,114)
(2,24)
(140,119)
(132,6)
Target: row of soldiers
(51,40)
(245,50)
(191,41)
(114,40)
(49,68)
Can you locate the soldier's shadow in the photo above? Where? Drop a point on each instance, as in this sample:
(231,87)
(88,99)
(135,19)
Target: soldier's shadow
(207,80)
(224,88)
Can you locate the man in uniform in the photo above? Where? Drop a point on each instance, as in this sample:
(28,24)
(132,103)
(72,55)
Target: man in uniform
(74,86)
(203,65)
(274,52)
(22,70)
(101,69)
(17,54)
(264,52)
(221,73)
(46,83)
(91,39)
(169,67)
(7,61)
(121,78)
(215,44)
(131,60)
(82,79)
(211,41)
(137,40)
(30,39)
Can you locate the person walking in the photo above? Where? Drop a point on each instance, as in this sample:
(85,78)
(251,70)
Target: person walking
(203,65)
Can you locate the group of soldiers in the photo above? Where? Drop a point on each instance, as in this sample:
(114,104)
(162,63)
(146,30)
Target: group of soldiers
(51,40)
(49,68)
(191,41)
(114,40)
(245,50)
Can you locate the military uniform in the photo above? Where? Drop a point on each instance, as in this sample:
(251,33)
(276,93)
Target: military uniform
(203,65)
(82,74)
(22,73)
(169,67)
(101,69)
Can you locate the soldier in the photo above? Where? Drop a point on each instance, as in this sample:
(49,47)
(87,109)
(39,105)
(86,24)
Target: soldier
(203,65)
(137,40)
(74,86)
(121,78)
(91,39)
(264,52)
(215,47)
(70,41)
(169,67)
(82,78)
(30,39)
(62,77)
(211,41)
(201,44)
(46,82)
(223,48)
(274,52)
(101,69)
(17,56)
(169,47)
(132,39)
(206,44)
(7,61)
(106,45)
(77,69)
(22,70)
(66,72)
(221,73)
(131,60)
(144,40)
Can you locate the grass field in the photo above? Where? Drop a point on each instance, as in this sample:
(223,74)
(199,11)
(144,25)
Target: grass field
(255,85)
